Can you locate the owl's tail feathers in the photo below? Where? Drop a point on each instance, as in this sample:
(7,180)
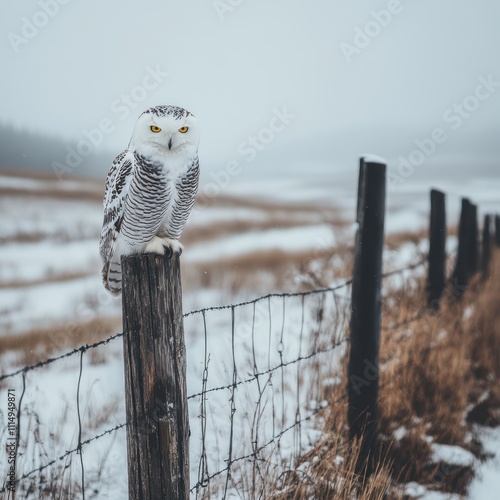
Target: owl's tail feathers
(112,277)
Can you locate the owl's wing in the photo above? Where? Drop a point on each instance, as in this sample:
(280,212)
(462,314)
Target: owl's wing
(187,187)
(117,184)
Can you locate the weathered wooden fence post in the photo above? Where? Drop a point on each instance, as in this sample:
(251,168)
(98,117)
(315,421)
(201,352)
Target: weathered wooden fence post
(361,173)
(363,376)
(497,230)
(486,247)
(461,274)
(473,241)
(436,280)
(155,378)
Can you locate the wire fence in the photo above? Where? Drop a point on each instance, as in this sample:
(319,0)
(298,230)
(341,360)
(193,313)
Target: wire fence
(268,343)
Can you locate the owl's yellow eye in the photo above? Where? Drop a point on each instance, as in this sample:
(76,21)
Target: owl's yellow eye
(183,130)
(155,129)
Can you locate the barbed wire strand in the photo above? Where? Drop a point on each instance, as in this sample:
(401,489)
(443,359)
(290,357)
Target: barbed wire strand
(419,315)
(273,369)
(87,347)
(254,455)
(205,477)
(70,452)
(49,361)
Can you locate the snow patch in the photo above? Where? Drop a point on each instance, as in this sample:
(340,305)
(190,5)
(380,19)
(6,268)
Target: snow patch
(454,455)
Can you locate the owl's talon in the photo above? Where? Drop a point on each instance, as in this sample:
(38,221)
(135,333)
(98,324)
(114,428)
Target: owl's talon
(174,246)
(164,246)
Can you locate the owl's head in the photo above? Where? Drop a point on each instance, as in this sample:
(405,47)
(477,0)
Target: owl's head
(166,130)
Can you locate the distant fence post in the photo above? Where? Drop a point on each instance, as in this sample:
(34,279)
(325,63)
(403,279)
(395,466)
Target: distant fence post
(363,376)
(497,230)
(436,280)
(461,272)
(486,247)
(473,241)
(155,378)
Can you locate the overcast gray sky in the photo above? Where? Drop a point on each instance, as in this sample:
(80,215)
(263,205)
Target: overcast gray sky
(352,77)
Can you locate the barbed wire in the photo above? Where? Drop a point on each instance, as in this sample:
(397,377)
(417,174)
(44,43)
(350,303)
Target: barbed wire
(69,452)
(254,454)
(233,386)
(86,347)
(49,361)
(271,296)
(257,374)
(81,444)
(407,321)
(271,370)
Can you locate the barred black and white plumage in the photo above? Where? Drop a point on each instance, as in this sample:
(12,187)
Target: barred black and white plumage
(150,190)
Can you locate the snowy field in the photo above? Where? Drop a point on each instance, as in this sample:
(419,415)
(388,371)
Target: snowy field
(49,278)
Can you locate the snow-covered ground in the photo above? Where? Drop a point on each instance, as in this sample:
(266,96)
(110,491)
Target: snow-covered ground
(49,275)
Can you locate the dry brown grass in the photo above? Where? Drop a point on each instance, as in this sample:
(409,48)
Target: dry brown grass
(218,229)
(39,343)
(230,201)
(248,271)
(50,278)
(329,470)
(395,240)
(435,372)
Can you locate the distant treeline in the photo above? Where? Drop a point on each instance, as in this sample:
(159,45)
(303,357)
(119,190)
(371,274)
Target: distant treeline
(27,150)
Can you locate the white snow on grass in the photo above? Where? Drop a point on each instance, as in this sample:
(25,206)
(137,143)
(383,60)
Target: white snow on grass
(486,483)
(49,421)
(202,216)
(274,332)
(21,183)
(26,183)
(279,189)
(405,221)
(46,259)
(42,305)
(454,455)
(51,391)
(415,490)
(51,218)
(290,240)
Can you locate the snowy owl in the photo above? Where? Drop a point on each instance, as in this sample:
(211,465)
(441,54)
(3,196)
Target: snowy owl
(150,190)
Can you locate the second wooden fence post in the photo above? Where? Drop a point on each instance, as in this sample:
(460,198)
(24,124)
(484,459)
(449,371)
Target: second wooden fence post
(436,280)
(155,378)
(486,247)
(461,273)
(363,376)
(497,230)
(473,241)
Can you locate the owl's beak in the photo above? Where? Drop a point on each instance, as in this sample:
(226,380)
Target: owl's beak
(170,143)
